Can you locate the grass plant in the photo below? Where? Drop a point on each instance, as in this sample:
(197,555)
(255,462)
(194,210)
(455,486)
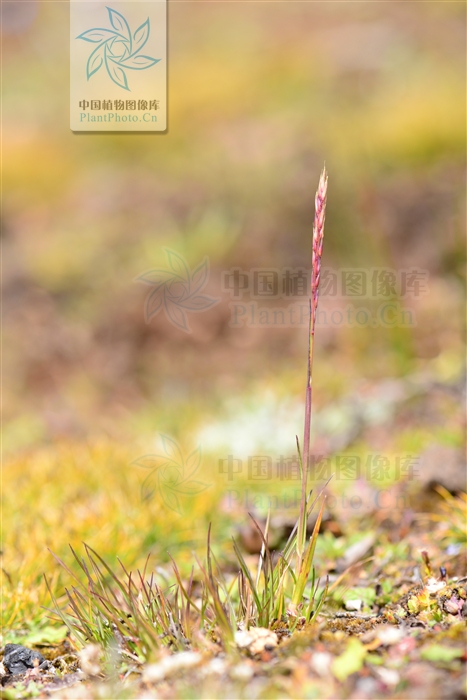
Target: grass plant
(141,613)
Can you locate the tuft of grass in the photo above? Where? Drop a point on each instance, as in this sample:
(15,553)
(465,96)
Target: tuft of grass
(139,614)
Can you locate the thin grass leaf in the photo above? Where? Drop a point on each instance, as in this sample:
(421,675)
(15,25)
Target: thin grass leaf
(320,602)
(247,573)
(307,561)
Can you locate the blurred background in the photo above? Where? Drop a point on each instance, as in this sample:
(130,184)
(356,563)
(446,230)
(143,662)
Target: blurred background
(260,96)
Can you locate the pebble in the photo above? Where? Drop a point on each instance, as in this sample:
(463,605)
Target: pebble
(170,665)
(215,667)
(242,672)
(90,660)
(321,663)
(389,676)
(18,659)
(389,635)
(443,465)
(454,605)
(256,640)
(433,586)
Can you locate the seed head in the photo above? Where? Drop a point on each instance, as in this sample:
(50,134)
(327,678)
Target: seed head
(318,236)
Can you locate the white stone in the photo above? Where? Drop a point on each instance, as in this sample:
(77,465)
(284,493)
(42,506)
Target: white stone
(389,676)
(170,665)
(256,639)
(241,672)
(388,634)
(321,663)
(433,586)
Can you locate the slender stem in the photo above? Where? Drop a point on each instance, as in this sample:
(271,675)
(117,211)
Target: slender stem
(317,251)
(306,445)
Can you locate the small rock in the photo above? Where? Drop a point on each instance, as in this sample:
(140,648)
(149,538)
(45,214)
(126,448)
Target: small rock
(389,676)
(251,539)
(256,640)
(90,659)
(389,635)
(242,672)
(18,659)
(366,688)
(443,465)
(170,665)
(454,605)
(321,663)
(215,667)
(353,605)
(433,586)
